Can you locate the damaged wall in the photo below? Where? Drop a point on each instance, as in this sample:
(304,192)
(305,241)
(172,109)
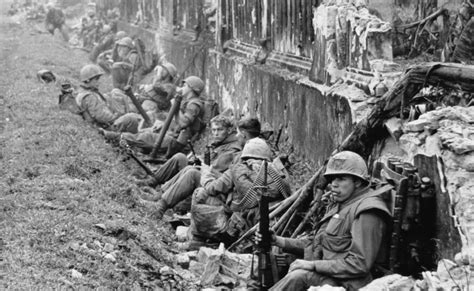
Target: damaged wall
(275,96)
(309,117)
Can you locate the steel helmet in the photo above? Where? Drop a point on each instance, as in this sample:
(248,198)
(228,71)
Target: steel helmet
(120,34)
(90,71)
(347,163)
(125,41)
(106,28)
(257,148)
(172,71)
(195,83)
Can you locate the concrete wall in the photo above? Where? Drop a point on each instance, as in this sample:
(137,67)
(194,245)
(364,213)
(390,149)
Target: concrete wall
(313,123)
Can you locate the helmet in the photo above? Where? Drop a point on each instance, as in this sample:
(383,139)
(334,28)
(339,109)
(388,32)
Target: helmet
(195,83)
(256,148)
(170,68)
(90,71)
(120,34)
(106,28)
(347,163)
(125,41)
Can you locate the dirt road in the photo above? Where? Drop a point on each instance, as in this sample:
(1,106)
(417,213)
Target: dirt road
(66,218)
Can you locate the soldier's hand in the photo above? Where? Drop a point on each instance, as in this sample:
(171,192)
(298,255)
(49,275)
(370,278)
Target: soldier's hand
(301,265)
(258,237)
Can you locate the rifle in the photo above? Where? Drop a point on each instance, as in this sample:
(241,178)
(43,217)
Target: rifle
(277,140)
(129,93)
(265,262)
(197,161)
(129,151)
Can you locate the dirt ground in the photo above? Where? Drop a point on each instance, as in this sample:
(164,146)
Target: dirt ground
(66,219)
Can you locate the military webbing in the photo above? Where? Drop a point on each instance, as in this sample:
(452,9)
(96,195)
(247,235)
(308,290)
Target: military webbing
(250,198)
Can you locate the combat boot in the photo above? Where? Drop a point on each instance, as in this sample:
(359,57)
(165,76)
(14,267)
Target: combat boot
(160,208)
(150,182)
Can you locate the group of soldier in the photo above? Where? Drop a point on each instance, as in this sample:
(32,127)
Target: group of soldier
(221,187)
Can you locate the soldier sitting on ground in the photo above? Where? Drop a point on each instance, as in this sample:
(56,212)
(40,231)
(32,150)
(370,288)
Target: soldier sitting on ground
(185,179)
(156,102)
(93,106)
(185,125)
(106,42)
(351,240)
(237,192)
(223,142)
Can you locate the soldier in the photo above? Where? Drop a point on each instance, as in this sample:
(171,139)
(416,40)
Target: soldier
(236,190)
(93,106)
(352,237)
(156,103)
(104,58)
(126,61)
(186,124)
(185,179)
(105,43)
(55,19)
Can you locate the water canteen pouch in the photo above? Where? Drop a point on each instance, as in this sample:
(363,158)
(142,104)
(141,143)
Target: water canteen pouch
(67,99)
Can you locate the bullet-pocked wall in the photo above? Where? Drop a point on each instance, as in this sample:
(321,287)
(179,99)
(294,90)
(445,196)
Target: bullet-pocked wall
(313,123)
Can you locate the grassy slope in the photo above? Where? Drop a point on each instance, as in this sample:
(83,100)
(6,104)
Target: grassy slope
(58,179)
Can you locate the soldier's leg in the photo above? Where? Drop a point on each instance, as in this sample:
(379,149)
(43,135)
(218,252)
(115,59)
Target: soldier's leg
(126,123)
(183,188)
(298,280)
(175,164)
(168,172)
(64,33)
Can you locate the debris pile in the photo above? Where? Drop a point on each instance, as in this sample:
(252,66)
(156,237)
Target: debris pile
(448,276)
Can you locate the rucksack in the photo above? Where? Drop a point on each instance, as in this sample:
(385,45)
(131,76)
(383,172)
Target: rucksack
(210,110)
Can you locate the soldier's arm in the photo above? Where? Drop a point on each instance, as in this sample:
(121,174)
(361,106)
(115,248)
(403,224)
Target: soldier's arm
(367,233)
(292,245)
(192,112)
(98,110)
(223,184)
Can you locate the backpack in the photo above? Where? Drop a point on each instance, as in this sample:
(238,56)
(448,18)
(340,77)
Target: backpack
(67,99)
(210,110)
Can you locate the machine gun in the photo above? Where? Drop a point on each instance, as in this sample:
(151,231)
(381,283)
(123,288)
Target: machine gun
(266,261)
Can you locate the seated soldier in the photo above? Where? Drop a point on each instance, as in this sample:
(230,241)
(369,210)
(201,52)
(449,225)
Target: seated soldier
(126,61)
(237,191)
(156,102)
(223,140)
(185,179)
(106,42)
(185,125)
(93,106)
(104,58)
(351,239)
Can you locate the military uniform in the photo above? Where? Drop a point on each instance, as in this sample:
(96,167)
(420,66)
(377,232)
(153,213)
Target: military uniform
(349,243)
(94,108)
(231,190)
(185,179)
(184,127)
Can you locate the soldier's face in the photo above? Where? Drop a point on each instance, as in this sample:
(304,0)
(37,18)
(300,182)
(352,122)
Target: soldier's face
(242,135)
(184,90)
(122,50)
(161,74)
(219,132)
(342,187)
